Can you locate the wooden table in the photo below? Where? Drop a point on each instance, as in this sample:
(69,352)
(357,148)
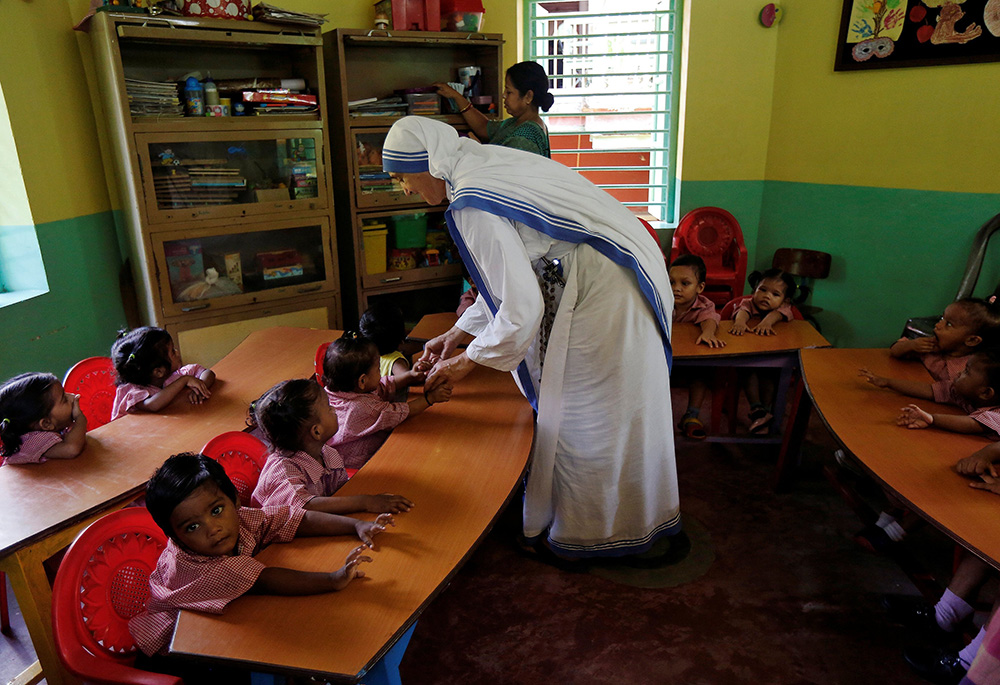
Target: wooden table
(432,325)
(43,507)
(459,462)
(915,464)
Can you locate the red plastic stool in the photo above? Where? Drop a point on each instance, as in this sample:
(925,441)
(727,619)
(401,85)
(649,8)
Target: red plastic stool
(320,356)
(93,379)
(242,456)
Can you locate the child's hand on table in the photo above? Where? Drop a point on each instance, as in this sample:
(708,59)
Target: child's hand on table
(367,530)
(350,570)
(989,483)
(877,381)
(912,416)
(441,393)
(977,464)
(386,503)
(764,328)
(738,328)
(710,339)
(198,390)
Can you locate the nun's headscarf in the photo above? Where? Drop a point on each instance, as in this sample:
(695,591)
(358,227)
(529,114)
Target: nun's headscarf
(536,191)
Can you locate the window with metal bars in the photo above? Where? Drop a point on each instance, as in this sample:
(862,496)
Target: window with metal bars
(613,68)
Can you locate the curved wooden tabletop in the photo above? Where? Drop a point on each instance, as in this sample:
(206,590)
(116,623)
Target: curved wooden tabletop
(790,336)
(916,464)
(36,499)
(459,462)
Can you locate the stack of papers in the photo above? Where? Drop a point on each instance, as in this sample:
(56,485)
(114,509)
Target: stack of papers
(153,98)
(264,12)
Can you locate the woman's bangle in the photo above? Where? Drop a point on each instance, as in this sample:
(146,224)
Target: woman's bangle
(466,108)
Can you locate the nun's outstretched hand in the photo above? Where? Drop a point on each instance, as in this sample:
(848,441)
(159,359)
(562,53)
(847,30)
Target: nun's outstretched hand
(449,371)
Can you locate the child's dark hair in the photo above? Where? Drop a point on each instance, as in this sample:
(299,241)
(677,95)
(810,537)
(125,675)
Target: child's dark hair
(985,317)
(775,275)
(24,401)
(695,262)
(176,479)
(990,360)
(347,359)
(531,76)
(383,324)
(139,352)
(282,411)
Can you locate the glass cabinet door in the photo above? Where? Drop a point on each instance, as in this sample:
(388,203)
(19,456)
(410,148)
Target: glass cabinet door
(206,175)
(372,186)
(245,264)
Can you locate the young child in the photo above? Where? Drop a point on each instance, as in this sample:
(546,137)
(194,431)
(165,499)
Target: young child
(150,374)
(771,303)
(362,398)
(39,420)
(687,280)
(208,561)
(966,325)
(974,391)
(383,324)
(303,471)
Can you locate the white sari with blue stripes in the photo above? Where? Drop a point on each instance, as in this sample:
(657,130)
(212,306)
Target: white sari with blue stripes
(602,480)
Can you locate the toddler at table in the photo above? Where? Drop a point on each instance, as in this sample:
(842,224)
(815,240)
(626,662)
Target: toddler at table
(967,325)
(209,558)
(383,324)
(151,375)
(302,471)
(363,399)
(39,420)
(770,303)
(687,281)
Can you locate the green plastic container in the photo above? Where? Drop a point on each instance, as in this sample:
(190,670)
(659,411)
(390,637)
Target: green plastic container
(409,231)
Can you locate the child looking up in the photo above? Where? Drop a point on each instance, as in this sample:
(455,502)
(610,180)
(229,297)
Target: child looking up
(150,374)
(39,420)
(966,325)
(770,302)
(363,399)
(687,280)
(302,470)
(383,324)
(208,561)
(974,391)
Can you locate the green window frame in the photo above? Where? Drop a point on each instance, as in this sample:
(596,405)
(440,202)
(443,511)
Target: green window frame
(615,76)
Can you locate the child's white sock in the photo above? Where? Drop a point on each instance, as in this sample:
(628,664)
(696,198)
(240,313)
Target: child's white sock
(888,523)
(951,610)
(969,653)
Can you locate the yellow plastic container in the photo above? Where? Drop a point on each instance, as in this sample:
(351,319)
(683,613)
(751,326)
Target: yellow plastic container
(375,252)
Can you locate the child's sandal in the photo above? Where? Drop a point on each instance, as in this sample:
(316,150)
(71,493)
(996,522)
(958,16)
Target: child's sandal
(693,428)
(760,421)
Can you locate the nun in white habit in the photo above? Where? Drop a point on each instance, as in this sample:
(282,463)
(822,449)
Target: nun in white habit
(574,300)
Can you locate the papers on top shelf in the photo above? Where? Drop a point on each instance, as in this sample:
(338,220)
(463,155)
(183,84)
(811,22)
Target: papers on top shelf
(265,12)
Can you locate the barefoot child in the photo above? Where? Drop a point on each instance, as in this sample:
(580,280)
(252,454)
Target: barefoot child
(39,420)
(209,559)
(687,280)
(297,420)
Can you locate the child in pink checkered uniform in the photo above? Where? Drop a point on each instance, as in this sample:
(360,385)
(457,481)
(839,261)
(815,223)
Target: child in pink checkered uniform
(39,420)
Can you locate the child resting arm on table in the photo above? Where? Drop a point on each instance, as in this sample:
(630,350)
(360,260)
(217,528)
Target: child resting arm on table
(302,470)
(209,559)
(974,391)
(39,420)
(383,324)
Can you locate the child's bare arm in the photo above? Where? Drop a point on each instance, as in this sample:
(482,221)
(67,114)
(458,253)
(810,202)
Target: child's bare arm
(912,416)
(905,347)
(980,462)
(988,483)
(438,394)
(285,581)
(739,326)
(196,394)
(917,389)
(75,439)
(709,327)
(405,379)
(169,392)
(766,325)
(385,503)
(316,523)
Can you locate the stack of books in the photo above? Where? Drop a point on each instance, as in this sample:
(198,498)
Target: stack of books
(393,106)
(157,99)
(374,180)
(197,182)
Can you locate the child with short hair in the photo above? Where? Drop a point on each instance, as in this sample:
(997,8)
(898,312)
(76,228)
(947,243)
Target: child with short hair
(303,471)
(383,324)
(771,302)
(687,280)
(362,398)
(151,375)
(39,420)
(209,559)
(974,390)
(967,325)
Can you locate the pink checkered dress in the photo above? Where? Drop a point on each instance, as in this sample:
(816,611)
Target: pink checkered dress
(366,419)
(943,367)
(292,479)
(944,393)
(183,580)
(34,445)
(747,305)
(129,394)
(703,309)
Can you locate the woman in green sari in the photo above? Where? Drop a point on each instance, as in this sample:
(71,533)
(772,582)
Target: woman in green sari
(526,91)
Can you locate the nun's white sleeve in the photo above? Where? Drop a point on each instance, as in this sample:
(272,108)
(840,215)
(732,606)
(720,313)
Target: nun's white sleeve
(502,261)
(475,318)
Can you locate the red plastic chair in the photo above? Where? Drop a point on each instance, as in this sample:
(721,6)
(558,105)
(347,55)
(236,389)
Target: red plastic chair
(93,379)
(714,235)
(242,456)
(652,232)
(320,356)
(102,582)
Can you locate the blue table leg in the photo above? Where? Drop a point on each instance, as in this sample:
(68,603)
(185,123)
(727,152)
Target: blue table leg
(386,671)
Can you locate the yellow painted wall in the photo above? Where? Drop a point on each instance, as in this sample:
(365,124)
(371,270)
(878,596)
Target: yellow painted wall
(927,128)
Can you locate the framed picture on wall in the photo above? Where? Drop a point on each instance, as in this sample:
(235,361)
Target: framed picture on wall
(878,34)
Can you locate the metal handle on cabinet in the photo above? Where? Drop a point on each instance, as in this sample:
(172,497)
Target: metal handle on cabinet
(387,34)
(195,308)
(475,36)
(392,280)
(310,288)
